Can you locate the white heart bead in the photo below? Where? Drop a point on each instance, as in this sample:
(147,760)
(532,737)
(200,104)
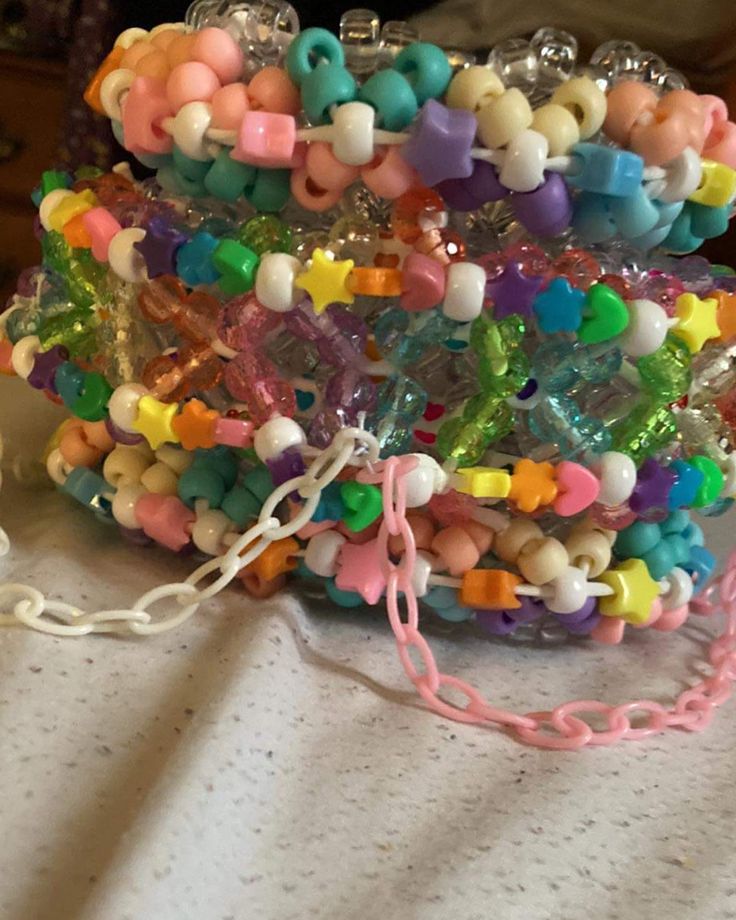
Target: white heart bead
(680,589)
(276,436)
(123,405)
(113,89)
(209,530)
(322,553)
(275,282)
(352,133)
(683,175)
(49,204)
(523,164)
(617,473)
(465,290)
(191,124)
(647,329)
(123,505)
(124,259)
(23,356)
(569,591)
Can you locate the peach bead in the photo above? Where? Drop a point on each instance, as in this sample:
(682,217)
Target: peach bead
(456,549)
(672,619)
(628,102)
(155,64)
(272,90)
(362,536)
(135,54)
(511,541)
(98,436)
(229,105)
(654,615)
(179,50)
(326,170)
(481,535)
(164,38)
(715,113)
(191,82)
(310,195)
(76,451)
(689,105)
(661,140)
(423,529)
(219,50)
(389,175)
(608,630)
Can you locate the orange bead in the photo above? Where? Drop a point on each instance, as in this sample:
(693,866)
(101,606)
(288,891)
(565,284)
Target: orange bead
(92,92)
(408,209)
(96,434)
(6,356)
(76,451)
(179,49)
(276,559)
(76,233)
(155,64)
(164,38)
(456,549)
(532,484)
(375,282)
(135,54)
(423,529)
(261,587)
(725,314)
(195,425)
(489,589)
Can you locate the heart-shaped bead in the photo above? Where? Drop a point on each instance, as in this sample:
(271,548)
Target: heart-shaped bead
(605,315)
(422,282)
(577,488)
(363,504)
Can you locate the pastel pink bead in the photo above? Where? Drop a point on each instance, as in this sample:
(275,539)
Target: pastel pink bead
(233,432)
(219,50)
(662,139)
(165,519)
(266,139)
(389,175)
(422,282)
(144,108)
(654,616)
(457,550)
(690,107)
(191,82)
(720,133)
(577,488)
(310,195)
(102,227)
(229,105)
(626,104)
(608,630)
(326,170)
(481,535)
(272,90)
(715,112)
(672,619)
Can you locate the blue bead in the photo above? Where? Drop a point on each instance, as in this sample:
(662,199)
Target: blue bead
(701,563)
(69,380)
(426,68)
(591,218)
(227,179)
(259,482)
(331,506)
(681,239)
(606,170)
(194,260)
(660,560)
(689,479)
(241,505)
(559,420)
(441,597)
(639,538)
(199,483)
(634,215)
(343,598)
(90,489)
(392,97)
(708,222)
(325,86)
(560,307)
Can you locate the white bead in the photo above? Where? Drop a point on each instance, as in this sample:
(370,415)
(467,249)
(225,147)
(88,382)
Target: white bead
(683,175)
(130,37)
(423,568)
(23,356)
(113,89)
(465,290)
(123,505)
(191,124)
(125,261)
(49,204)
(322,553)
(617,473)
(352,137)
(680,589)
(123,405)
(647,329)
(569,591)
(169,27)
(523,164)
(275,282)
(276,436)
(729,477)
(124,465)
(209,531)
(160,479)
(425,480)
(57,468)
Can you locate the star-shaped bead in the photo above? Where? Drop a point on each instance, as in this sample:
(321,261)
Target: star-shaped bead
(513,292)
(532,484)
(360,571)
(195,425)
(155,420)
(688,480)
(71,206)
(440,143)
(326,280)
(159,247)
(45,365)
(653,486)
(696,321)
(194,260)
(634,592)
(726,314)
(560,307)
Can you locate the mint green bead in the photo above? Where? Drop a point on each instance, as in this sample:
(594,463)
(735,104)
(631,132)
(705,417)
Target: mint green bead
(426,68)
(240,505)
(191,170)
(342,598)
(270,190)
(392,97)
(221,459)
(632,542)
(325,86)
(259,482)
(309,48)
(666,372)
(648,428)
(227,179)
(198,483)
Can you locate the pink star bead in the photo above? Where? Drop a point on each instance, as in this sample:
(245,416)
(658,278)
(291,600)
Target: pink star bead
(360,570)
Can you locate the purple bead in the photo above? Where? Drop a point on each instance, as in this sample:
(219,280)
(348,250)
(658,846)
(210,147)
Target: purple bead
(547,210)
(120,436)
(513,292)
(45,366)
(327,423)
(440,143)
(352,389)
(505,622)
(581,621)
(286,466)
(483,183)
(339,335)
(653,486)
(159,247)
(456,195)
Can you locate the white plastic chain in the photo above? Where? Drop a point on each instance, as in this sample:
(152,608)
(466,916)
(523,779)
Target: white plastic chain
(27,606)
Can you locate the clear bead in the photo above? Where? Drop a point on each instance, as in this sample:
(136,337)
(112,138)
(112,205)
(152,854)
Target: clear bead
(459,60)
(596,73)
(515,61)
(395,36)
(354,238)
(269,29)
(615,56)
(200,13)
(556,51)
(671,79)
(359,34)
(646,67)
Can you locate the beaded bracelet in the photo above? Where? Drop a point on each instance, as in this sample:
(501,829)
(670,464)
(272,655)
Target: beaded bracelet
(403,399)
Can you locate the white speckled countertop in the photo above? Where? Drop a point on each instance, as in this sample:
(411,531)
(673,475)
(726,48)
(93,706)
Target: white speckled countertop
(269,761)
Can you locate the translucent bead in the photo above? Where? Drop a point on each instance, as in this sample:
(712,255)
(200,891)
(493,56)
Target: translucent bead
(245,323)
(359,34)
(714,370)
(496,341)
(74,329)
(649,427)
(647,67)
(515,61)
(254,380)
(558,420)
(402,338)
(579,267)
(265,233)
(395,36)
(354,238)
(194,368)
(666,373)
(485,419)
(401,401)
(414,212)
(705,430)
(614,56)
(123,342)
(267,28)
(339,335)
(351,389)
(556,51)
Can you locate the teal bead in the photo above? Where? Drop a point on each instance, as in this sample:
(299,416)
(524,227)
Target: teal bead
(632,542)
(694,535)
(259,482)
(200,483)
(194,260)
(170,180)
(681,239)
(455,613)
(392,97)
(342,598)
(68,381)
(679,547)
(270,190)
(660,560)
(309,48)
(191,170)
(426,68)
(227,179)
(708,222)
(700,565)
(441,597)
(222,460)
(675,522)
(240,505)
(325,86)
(89,489)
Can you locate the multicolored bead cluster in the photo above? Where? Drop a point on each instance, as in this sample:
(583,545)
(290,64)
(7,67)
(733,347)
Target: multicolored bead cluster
(345,235)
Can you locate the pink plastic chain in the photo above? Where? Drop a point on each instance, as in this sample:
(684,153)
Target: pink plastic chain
(693,709)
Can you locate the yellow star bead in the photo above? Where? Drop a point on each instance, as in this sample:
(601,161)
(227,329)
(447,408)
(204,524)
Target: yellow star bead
(634,592)
(71,206)
(482,482)
(696,321)
(154,421)
(326,281)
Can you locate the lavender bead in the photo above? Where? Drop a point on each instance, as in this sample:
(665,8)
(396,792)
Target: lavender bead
(339,335)
(350,389)
(120,436)
(440,143)
(45,366)
(286,466)
(547,210)
(505,622)
(581,621)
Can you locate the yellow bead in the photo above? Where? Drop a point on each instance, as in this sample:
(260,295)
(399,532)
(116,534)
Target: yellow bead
(634,592)
(559,126)
(503,118)
(71,206)
(585,102)
(473,89)
(717,185)
(483,482)
(696,321)
(326,281)
(154,421)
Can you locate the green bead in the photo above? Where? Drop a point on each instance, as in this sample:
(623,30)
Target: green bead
(189,169)
(85,278)
(52,179)
(68,381)
(710,487)
(91,405)
(265,233)
(495,341)
(259,482)
(491,413)
(426,68)
(604,315)
(237,267)
(507,384)
(200,483)
(271,189)
(648,428)
(75,330)
(666,373)
(461,441)
(227,179)
(241,506)
(220,459)
(88,172)
(392,97)
(325,86)
(363,503)
(309,48)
